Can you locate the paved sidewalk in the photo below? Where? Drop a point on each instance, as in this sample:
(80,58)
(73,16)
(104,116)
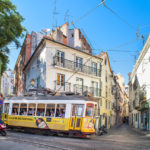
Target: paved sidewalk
(140,131)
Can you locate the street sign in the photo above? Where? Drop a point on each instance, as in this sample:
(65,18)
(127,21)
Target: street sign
(1,102)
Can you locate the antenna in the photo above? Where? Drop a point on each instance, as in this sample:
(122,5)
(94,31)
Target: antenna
(67,16)
(54,22)
(143,39)
(137,32)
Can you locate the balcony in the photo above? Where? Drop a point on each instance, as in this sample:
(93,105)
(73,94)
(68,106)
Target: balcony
(76,88)
(64,87)
(80,89)
(74,66)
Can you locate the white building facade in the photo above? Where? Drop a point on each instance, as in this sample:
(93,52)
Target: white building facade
(139,90)
(63,69)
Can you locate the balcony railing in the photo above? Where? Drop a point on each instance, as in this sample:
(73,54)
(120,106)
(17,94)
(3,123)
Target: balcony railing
(63,87)
(59,61)
(80,89)
(76,88)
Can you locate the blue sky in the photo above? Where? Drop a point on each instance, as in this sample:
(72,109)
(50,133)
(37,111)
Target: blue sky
(104,30)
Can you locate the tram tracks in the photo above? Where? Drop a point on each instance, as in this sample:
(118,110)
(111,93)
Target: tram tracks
(36,141)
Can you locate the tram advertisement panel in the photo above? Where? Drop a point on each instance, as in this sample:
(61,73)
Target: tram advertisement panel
(88,124)
(39,122)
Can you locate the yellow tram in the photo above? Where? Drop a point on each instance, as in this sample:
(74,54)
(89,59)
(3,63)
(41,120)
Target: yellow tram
(70,115)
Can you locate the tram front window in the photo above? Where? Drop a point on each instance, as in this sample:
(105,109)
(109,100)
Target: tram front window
(31,110)
(60,110)
(23,109)
(40,110)
(77,110)
(50,110)
(6,108)
(15,109)
(89,110)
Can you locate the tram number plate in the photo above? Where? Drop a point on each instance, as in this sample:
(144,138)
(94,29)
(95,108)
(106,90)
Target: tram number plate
(48,119)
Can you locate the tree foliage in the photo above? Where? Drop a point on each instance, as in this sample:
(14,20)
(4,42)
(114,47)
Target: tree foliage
(4,61)
(10,29)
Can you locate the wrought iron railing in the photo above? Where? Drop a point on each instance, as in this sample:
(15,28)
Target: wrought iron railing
(63,87)
(80,89)
(59,61)
(76,88)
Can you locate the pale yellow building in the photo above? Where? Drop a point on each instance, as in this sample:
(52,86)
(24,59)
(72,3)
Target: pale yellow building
(107,98)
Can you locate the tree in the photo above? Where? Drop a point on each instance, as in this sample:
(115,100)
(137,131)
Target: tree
(10,30)
(10,24)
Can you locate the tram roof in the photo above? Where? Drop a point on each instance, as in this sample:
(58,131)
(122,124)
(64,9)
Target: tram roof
(75,97)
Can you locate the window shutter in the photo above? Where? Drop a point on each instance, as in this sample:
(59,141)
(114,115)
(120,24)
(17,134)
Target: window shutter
(58,79)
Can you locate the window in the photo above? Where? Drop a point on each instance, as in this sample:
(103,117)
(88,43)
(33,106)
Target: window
(15,109)
(6,108)
(23,109)
(60,79)
(60,56)
(94,67)
(31,110)
(40,110)
(77,110)
(60,110)
(38,61)
(94,88)
(89,110)
(79,62)
(79,82)
(106,77)
(100,70)
(50,110)
(72,35)
(38,82)
(105,61)
(106,105)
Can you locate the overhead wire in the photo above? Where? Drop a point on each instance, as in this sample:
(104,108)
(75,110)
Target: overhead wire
(117,15)
(87,13)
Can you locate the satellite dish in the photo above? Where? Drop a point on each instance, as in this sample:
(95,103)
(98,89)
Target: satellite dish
(45,30)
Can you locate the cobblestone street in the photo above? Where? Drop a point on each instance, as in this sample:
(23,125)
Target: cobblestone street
(122,138)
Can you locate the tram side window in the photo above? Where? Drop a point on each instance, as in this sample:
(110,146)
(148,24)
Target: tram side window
(15,109)
(31,109)
(6,108)
(77,110)
(89,110)
(50,110)
(23,109)
(40,110)
(60,110)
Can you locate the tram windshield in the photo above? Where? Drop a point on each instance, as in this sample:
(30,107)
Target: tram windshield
(6,108)
(89,110)
(77,110)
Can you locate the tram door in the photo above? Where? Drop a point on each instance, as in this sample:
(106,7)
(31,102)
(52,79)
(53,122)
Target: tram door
(76,116)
